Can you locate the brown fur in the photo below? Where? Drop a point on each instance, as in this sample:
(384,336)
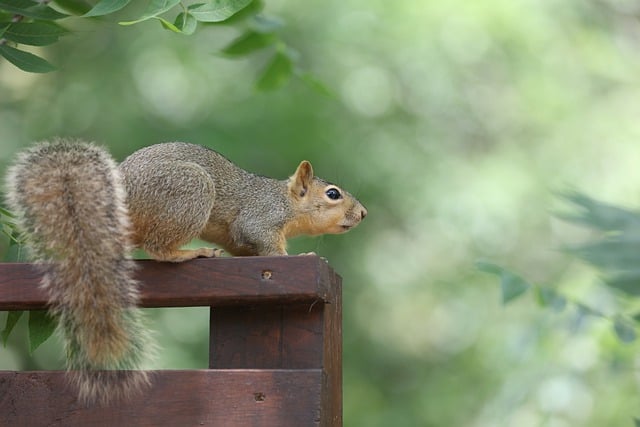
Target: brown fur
(178,191)
(70,202)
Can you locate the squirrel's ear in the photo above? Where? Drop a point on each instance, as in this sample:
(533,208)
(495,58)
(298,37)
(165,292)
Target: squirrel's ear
(301,180)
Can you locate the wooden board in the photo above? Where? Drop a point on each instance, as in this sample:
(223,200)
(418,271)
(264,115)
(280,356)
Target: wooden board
(199,282)
(234,398)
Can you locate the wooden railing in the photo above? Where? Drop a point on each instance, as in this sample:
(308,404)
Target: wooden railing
(275,349)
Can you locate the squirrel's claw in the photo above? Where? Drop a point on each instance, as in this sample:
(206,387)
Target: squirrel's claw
(217,253)
(210,252)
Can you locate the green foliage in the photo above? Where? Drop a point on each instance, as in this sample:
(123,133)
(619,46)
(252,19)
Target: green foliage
(15,240)
(615,253)
(153,10)
(511,284)
(248,43)
(549,297)
(30,23)
(34,34)
(41,327)
(106,7)
(26,22)
(74,7)
(217,10)
(31,9)
(625,329)
(26,61)
(9,229)
(277,72)
(12,320)
(186,23)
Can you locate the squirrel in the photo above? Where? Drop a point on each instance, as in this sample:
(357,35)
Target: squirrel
(82,214)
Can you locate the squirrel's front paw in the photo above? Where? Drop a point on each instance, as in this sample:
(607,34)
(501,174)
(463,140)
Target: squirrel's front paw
(211,252)
(308,253)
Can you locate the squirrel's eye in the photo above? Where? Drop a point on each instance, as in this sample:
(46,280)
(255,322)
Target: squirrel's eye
(333,194)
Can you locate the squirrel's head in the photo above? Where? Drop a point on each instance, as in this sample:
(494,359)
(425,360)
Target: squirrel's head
(320,207)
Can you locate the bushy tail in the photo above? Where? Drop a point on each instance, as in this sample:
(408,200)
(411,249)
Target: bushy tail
(71,204)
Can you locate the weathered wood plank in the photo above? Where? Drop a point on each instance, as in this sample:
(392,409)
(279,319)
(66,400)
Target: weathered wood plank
(200,282)
(292,336)
(332,353)
(288,337)
(267,398)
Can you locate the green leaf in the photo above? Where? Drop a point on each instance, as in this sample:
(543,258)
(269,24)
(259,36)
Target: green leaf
(25,61)
(168,25)
(105,7)
(186,22)
(249,42)
(512,287)
(617,254)
(34,33)
(245,14)
(76,7)
(548,297)
(217,10)
(31,9)
(15,253)
(263,24)
(16,238)
(511,284)
(276,73)
(625,330)
(155,8)
(6,212)
(600,215)
(584,310)
(489,267)
(621,253)
(627,282)
(315,84)
(41,327)
(12,319)
(17,6)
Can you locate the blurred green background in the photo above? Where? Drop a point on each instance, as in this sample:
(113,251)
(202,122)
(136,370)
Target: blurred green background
(454,122)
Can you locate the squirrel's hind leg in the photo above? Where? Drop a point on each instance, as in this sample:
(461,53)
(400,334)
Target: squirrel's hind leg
(169,204)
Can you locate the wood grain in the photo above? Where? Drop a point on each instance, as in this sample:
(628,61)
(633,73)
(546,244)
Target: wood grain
(199,282)
(289,337)
(267,398)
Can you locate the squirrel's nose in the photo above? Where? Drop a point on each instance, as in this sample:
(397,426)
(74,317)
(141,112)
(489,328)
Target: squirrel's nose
(363,213)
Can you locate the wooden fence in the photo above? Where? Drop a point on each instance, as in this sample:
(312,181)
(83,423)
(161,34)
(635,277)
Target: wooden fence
(275,349)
